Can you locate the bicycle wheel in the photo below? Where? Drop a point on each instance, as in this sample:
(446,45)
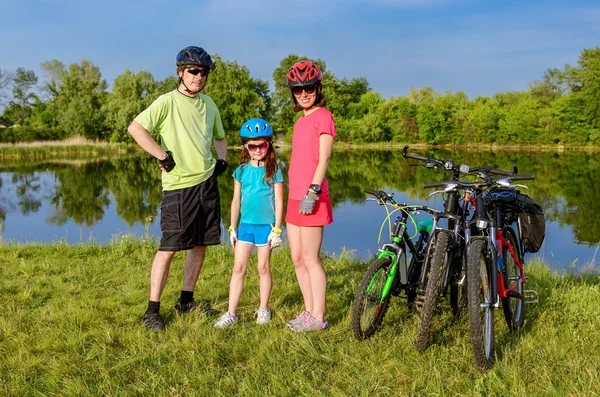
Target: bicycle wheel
(481,309)
(514,307)
(369,308)
(436,271)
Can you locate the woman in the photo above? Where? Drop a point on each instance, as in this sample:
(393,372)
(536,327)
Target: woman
(309,205)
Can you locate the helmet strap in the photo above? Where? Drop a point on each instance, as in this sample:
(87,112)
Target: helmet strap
(188,90)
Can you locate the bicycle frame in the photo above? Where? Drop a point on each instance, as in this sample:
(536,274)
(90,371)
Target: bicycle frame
(396,249)
(502,290)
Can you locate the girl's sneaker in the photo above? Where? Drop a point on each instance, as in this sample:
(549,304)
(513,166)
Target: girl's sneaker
(298,320)
(226,320)
(263,316)
(311,324)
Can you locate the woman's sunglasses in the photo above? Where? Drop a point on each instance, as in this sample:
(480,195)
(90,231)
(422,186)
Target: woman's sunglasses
(198,71)
(261,146)
(309,90)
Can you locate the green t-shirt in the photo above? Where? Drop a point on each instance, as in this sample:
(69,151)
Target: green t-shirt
(187,127)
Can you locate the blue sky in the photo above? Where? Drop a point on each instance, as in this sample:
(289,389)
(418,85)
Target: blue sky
(477,46)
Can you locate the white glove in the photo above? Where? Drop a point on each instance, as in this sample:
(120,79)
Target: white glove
(232,236)
(275,237)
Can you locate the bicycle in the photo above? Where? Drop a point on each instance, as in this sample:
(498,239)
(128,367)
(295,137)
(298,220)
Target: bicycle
(390,273)
(446,269)
(494,262)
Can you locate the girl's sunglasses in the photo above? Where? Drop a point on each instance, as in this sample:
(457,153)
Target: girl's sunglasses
(198,71)
(261,146)
(309,90)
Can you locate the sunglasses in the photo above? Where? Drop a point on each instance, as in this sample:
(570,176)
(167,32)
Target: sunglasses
(309,90)
(198,71)
(261,146)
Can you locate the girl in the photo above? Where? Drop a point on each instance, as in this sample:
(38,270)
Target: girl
(258,195)
(309,205)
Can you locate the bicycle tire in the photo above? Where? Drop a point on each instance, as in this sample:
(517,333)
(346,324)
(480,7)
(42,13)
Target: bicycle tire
(513,307)
(436,271)
(481,309)
(365,323)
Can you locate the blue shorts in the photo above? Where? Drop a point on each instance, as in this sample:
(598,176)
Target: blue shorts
(254,234)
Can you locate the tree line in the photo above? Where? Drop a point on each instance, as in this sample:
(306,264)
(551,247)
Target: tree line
(562,108)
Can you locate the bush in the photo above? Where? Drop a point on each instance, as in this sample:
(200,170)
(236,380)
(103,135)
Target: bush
(30,134)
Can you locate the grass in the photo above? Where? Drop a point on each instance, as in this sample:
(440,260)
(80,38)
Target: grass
(70,325)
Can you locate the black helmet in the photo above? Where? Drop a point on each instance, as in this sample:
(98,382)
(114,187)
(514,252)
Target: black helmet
(193,55)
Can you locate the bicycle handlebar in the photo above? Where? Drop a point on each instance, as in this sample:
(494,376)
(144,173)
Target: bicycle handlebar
(415,156)
(522,177)
(435,184)
(371,192)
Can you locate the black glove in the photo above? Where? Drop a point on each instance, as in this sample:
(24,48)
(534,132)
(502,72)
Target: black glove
(168,163)
(220,167)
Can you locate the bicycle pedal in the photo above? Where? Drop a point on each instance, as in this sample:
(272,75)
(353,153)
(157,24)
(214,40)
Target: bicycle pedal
(419,304)
(531,296)
(515,294)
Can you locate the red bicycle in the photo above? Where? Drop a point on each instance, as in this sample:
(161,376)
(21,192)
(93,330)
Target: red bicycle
(495,261)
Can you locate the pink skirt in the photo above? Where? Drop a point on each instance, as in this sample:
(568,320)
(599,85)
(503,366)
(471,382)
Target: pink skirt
(321,216)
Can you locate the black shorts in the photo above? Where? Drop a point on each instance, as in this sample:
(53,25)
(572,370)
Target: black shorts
(191,216)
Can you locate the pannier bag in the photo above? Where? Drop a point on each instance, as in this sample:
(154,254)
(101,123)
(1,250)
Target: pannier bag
(532,222)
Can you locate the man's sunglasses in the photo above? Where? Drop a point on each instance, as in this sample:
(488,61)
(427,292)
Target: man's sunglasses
(198,71)
(261,146)
(309,90)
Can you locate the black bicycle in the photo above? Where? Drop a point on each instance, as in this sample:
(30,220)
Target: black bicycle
(445,271)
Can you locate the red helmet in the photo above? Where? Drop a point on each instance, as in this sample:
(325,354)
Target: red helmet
(304,73)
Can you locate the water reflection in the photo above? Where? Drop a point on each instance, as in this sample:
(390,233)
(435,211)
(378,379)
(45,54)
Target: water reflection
(116,195)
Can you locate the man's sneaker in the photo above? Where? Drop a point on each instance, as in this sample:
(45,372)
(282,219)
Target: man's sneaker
(226,320)
(202,307)
(311,324)
(263,316)
(153,321)
(298,320)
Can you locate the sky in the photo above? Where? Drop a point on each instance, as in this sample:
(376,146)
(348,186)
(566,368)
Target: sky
(480,47)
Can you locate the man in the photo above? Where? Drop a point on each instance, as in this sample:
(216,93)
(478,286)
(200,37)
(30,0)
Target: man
(187,122)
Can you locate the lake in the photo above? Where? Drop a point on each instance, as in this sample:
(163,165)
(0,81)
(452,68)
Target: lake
(81,200)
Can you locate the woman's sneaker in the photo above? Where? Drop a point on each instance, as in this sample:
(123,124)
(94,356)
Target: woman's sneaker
(311,324)
(263,316)
(226,320)
(297,320)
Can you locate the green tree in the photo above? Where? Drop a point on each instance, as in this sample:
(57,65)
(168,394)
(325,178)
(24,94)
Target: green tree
(5,80)
(399,119)
(54,71)
(481,124)
(131,94)
(265,107)
(23,82)
(589,61)
(79,100)
(520,123)
(234,91)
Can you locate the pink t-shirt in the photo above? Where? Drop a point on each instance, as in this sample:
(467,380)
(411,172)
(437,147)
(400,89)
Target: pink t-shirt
(305,151)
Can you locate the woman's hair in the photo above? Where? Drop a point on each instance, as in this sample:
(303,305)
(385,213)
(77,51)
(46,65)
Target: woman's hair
(270,161)
(320,100)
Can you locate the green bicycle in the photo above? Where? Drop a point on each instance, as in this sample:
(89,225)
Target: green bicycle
(390,272)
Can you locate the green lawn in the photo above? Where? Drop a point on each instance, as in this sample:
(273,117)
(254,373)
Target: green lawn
(70,325)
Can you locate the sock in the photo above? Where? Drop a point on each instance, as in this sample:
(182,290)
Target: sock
(187,296)
(153,307)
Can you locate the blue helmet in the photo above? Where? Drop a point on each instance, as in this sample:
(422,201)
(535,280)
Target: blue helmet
(255,129)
